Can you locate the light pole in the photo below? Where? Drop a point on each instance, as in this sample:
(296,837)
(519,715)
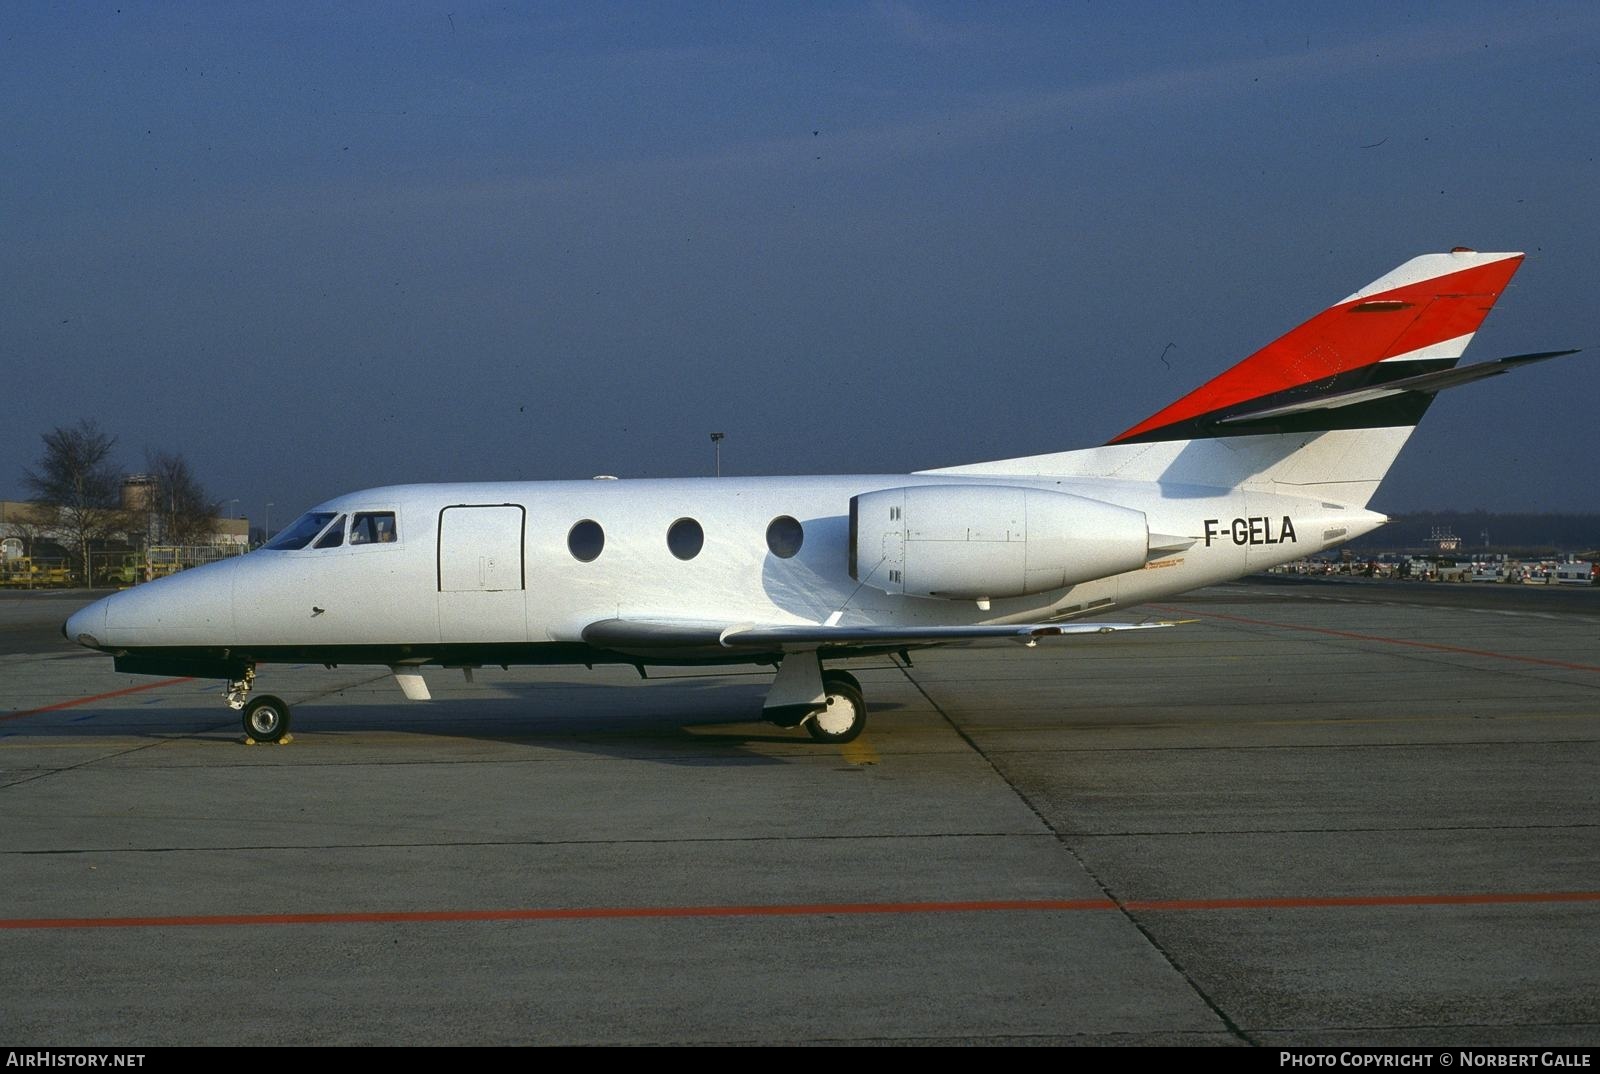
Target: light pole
(716,443)
(266,534)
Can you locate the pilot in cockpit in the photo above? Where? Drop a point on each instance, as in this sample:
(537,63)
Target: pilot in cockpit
(373,527)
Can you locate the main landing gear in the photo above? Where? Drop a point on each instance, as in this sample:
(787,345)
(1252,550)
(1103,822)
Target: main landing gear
(845,714)
(828,703)
(266,719)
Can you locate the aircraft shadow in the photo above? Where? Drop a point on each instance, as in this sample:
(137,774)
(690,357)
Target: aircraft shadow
(679,720)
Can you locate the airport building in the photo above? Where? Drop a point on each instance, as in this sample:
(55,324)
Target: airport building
(38,549)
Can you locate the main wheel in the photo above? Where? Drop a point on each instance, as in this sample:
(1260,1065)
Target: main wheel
(846,712)
(266,719)
(840,675)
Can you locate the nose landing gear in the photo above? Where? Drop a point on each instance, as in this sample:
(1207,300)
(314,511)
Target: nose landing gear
(266,719)
(239,689)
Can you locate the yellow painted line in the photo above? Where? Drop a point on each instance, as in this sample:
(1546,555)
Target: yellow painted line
(860,751)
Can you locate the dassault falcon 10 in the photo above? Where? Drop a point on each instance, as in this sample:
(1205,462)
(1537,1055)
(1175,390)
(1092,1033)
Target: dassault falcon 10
(1272,460)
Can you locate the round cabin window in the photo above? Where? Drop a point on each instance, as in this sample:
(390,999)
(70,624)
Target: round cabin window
(784,536)
(585,540)
(685,538)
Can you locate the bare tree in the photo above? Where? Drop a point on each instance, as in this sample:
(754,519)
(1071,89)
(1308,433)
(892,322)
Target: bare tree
(76,487)
(185,513)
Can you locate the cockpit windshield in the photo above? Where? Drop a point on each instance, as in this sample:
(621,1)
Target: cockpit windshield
(334,537)
(300,532)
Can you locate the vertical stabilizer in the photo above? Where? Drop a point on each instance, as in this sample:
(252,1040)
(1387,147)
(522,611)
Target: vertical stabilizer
(1416,319)
(1260,424)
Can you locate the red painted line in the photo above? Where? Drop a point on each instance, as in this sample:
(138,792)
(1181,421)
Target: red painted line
(576,913)
(1410,642)
(97,697)
(581,913)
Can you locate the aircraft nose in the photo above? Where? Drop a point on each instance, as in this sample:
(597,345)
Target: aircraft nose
(87,626)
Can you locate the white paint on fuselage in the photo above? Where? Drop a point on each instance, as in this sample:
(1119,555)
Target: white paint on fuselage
(389,593)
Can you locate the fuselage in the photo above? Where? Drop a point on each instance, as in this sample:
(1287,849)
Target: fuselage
(498,568)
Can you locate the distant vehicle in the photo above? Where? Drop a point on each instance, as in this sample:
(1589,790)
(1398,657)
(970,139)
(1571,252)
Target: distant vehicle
(1273,459)
(1577,573)
(25,572)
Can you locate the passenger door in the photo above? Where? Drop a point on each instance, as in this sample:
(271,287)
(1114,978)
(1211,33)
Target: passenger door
(482,574)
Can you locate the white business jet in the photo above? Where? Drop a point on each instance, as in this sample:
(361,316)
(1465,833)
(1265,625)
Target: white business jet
(1272,460)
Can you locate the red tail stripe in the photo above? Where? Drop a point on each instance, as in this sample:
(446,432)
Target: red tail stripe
(1334,341)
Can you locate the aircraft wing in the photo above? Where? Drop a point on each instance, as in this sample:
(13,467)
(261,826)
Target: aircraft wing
(682,636)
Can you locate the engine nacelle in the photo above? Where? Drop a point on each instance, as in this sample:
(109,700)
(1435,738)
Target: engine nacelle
(973,542)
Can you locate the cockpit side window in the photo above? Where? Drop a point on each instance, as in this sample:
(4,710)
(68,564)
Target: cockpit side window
(373,527)
(335,535)
(300,532)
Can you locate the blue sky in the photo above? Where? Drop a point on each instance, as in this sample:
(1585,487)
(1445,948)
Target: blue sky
(322,248)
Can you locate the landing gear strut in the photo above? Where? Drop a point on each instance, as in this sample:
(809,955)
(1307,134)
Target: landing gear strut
(266,719)
(239,689)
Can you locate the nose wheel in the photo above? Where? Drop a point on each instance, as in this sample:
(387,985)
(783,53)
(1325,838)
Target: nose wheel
(266,718)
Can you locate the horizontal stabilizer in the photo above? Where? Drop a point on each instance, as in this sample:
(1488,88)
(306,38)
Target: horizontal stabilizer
(1424,382)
